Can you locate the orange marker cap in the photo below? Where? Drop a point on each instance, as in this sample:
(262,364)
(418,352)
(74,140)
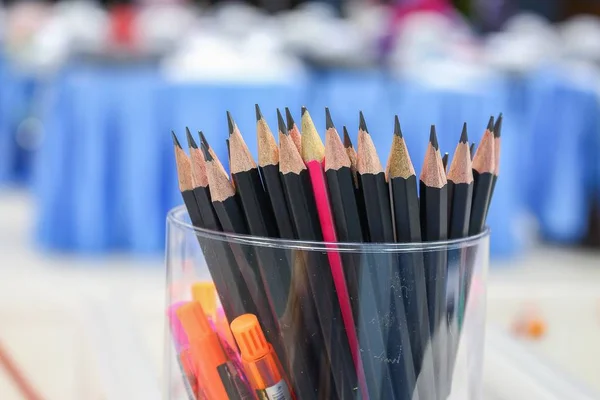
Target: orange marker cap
(250,337)
(194,320)
(205,293)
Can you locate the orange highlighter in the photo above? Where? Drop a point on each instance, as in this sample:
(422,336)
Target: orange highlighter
(206,294)
(261,364)
(220,380)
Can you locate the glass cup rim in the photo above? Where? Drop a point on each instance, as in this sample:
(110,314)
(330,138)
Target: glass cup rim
(174,218)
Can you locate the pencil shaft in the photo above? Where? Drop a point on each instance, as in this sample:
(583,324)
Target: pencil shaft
(274,189)
(319,185)
(360,288)
(385,276)
(305,218)
(276,273)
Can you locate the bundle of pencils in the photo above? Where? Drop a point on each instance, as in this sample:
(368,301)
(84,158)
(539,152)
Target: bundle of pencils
(342,321)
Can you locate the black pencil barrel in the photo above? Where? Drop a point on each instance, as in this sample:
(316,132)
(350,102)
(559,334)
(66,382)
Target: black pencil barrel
(305,218)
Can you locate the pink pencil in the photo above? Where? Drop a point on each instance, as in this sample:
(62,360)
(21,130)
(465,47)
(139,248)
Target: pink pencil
(313,154)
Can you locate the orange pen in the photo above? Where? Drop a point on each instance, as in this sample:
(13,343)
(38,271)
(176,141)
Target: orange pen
(261,364)
(220,380)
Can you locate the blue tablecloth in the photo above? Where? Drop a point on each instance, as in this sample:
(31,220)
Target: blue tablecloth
(105,177)
(17,100)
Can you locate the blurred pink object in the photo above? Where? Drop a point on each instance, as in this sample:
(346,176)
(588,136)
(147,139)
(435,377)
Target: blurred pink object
(179,335)
(403,8)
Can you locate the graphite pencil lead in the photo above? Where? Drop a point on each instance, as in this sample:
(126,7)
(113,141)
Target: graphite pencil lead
(490,126)
(203,140)
(230,123)
(175,140)
(362,125)
(397,129)
(190,139)
(328,121)
(463,136)
(472,149)
(433,138)
(289,118)
(207,156)
(445,161)
(303,111)
(259,115)
(498,127)
(281,124)
(347,141)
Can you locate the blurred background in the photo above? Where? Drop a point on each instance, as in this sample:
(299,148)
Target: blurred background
(89,92)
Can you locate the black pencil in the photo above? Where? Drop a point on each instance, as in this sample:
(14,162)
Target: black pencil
(460,193)
(405,204)
(303,210)
(497,148)
(231,217)
(347,222)
(383,268)
(352,156)
(460,189)
(434,227)
(275,264)
(233,293)
(293,130)
(483,174)
(445,161)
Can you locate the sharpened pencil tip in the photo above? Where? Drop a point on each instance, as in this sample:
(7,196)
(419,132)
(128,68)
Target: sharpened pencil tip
(303,111)
(490,126)
(175,140)
(190,139)
(203,141)
(445,160)
(289,118)
(258,113)
(206,153)
(230,123)
(498,126)
(397,129)
(281,123)
(433,138)
(347,141)
(328,121)
(362,125)
(463,136)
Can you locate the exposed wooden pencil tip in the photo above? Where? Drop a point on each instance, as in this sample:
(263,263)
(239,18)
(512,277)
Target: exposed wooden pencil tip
(281,123)
(303,111)
(362,125)
(289,118)
(190,139)
(207,155)
(328,121)
(175,141)
(463,136)
(230,123)
(433,138)
(397,130)
(490,126)
(259,115)
(498,126)
(347,141)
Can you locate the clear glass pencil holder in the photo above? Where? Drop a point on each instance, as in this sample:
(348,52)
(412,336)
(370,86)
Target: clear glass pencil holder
(251,317)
